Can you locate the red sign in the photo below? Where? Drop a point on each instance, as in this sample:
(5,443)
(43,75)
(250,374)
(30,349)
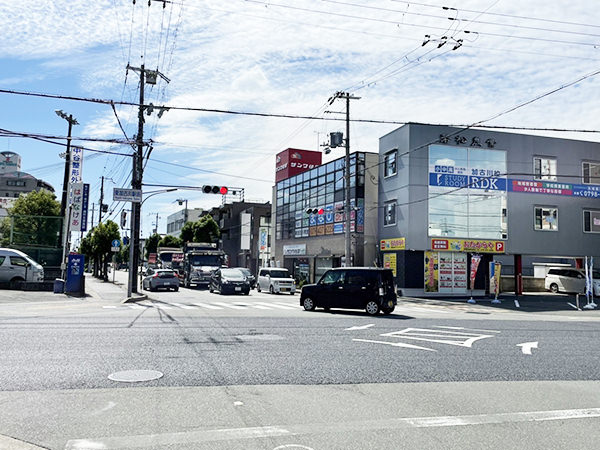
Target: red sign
(152,258)
(177,257)
(475,260)
(292,161)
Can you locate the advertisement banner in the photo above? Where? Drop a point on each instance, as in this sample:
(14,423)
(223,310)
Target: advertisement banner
(475,260)
(320,230)
(338,228)
(468,245)
(329,216)
(76,206)
(84,206)
(76,166)
(329,228)
(152,258)
(495,268)
(262,239)
(389,262)
(392,244)
(293,161)
(431,271)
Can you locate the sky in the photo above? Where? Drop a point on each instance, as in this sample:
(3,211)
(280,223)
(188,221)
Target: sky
(434,61)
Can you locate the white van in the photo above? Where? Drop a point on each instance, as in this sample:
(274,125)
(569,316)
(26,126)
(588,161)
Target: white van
(275,280)
(16,266)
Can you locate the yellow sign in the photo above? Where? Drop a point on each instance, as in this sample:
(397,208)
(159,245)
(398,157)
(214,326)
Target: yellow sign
(392,244)
(467,245)
(389,261)
(431,271)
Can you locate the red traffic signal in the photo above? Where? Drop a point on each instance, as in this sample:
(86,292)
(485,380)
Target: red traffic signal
(208,189)
(319,211)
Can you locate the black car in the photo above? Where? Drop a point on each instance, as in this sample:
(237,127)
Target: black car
(368,288)
(229,281)
(251,278)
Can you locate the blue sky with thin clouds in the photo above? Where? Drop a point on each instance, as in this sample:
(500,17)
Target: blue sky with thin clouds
(285,57)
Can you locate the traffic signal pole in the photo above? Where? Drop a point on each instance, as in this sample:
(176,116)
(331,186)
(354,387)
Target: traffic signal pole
(348,210)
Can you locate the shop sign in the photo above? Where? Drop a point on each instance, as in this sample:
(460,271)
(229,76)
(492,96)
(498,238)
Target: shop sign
(329,216)
(392,244)
(495,268)
(473,182)
(329,228)
(294,250)
(313,231)
(431,271)
(468,245)
(320,230)
(475,260)
(389,262)
(553,188)
(338,228)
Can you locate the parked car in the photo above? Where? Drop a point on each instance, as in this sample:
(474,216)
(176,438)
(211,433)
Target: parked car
(368,288)
(275,280)
(16,266)
(160,279)
(570,280)
(251,278)
(229,281)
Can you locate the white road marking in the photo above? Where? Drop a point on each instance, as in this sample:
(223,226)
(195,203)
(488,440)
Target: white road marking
(289,305)
(417,308)
(181,305)
(137,306)
(396,344)
(527,346)
(458,338)
(204,435)
(161,306)
(359,327)
(274,305)
(228,305)
(6,442)
(463,328)
(110,306)
(207,306)
(253,305)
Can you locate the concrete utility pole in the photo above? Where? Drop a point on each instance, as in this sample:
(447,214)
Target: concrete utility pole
(101,200)
(347,208)
(146,76)
(64,230)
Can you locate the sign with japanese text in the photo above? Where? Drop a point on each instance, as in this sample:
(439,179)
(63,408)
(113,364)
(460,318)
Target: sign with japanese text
(389,261)
(392,244)
(475,260)
(468,245)
(431,271)
(84,206)
(76,166)
(555,188)
(293,161)
(76,206)
(127,195)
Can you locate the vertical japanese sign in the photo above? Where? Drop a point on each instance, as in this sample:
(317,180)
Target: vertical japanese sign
(431,271)
(495,268)
(76,206)
(475,260)
(389,261)
(84,206)
(75,171)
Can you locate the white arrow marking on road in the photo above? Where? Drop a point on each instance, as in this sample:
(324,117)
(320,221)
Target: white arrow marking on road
(396,344)
(527,346)
(360,327)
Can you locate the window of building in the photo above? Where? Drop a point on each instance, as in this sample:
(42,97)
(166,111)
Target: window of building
(389,164)
(544,168)
(389,213)
(15,183)
(546,218)
(591,173)
(591,221)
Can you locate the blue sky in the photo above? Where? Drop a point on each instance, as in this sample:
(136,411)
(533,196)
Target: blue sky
(283,57)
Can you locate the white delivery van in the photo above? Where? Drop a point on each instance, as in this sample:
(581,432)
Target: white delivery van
(16,266)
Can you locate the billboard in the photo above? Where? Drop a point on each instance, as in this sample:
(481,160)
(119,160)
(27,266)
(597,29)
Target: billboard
(293,161)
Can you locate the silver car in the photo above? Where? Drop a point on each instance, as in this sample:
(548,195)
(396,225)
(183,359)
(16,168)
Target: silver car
(161,279)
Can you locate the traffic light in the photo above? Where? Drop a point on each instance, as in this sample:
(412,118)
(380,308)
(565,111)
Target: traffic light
(104,207)
(123,219)
(207,189)
(319,211)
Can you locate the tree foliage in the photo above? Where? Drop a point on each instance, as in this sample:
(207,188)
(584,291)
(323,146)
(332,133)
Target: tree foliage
(152,244)
(170,241)
(203,230)
(34,220)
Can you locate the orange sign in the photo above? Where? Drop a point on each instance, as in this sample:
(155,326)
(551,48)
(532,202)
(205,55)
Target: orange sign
(468,245)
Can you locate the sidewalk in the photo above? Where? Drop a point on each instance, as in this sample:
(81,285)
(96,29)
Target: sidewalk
(530,302)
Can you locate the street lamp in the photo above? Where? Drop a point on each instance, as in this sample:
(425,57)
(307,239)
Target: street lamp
(185,214)
(63,238)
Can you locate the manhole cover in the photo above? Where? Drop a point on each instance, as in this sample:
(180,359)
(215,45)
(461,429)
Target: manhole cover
(134,376)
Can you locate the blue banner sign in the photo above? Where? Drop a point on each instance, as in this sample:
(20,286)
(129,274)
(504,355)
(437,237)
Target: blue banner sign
(84,206)
(473,182)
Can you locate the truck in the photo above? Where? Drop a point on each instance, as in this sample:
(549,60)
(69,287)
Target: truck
(170,258)
(200,260)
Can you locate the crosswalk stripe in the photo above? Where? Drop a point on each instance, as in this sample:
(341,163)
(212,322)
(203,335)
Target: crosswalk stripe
(163,307)
(228,305)
(253,305)
(137,306)
(182,305)
(110,306)
(205,305)
(289,305)
(274,305)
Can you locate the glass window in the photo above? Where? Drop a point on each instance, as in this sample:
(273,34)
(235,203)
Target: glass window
(2,258)
(544,168)
(321,170)
(339,183)
(339,164)
(389,213)
(333,277)
(546,218)
(330,177)
(389,163)
(591,221)
(591,173)
(18,261)
(330,167)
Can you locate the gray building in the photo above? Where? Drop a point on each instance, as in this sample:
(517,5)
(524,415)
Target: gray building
(446,194)
(177,220)
(309,244)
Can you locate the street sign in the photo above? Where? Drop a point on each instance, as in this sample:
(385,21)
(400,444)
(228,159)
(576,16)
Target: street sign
(114,245)
(127,195)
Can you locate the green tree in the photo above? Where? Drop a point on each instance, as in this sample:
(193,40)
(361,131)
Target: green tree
(152,244)
(34,219)
(102,238)
(206,230)
(170,241)
(187,232)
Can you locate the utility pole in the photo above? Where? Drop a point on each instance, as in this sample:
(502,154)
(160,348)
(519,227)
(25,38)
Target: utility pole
(101,200)
(347,209)
(63,238)
(146,76)
(93,208)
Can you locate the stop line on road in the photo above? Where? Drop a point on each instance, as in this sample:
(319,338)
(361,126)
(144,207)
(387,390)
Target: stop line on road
(208,306)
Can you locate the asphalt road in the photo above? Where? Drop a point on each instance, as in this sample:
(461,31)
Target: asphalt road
(259,372)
